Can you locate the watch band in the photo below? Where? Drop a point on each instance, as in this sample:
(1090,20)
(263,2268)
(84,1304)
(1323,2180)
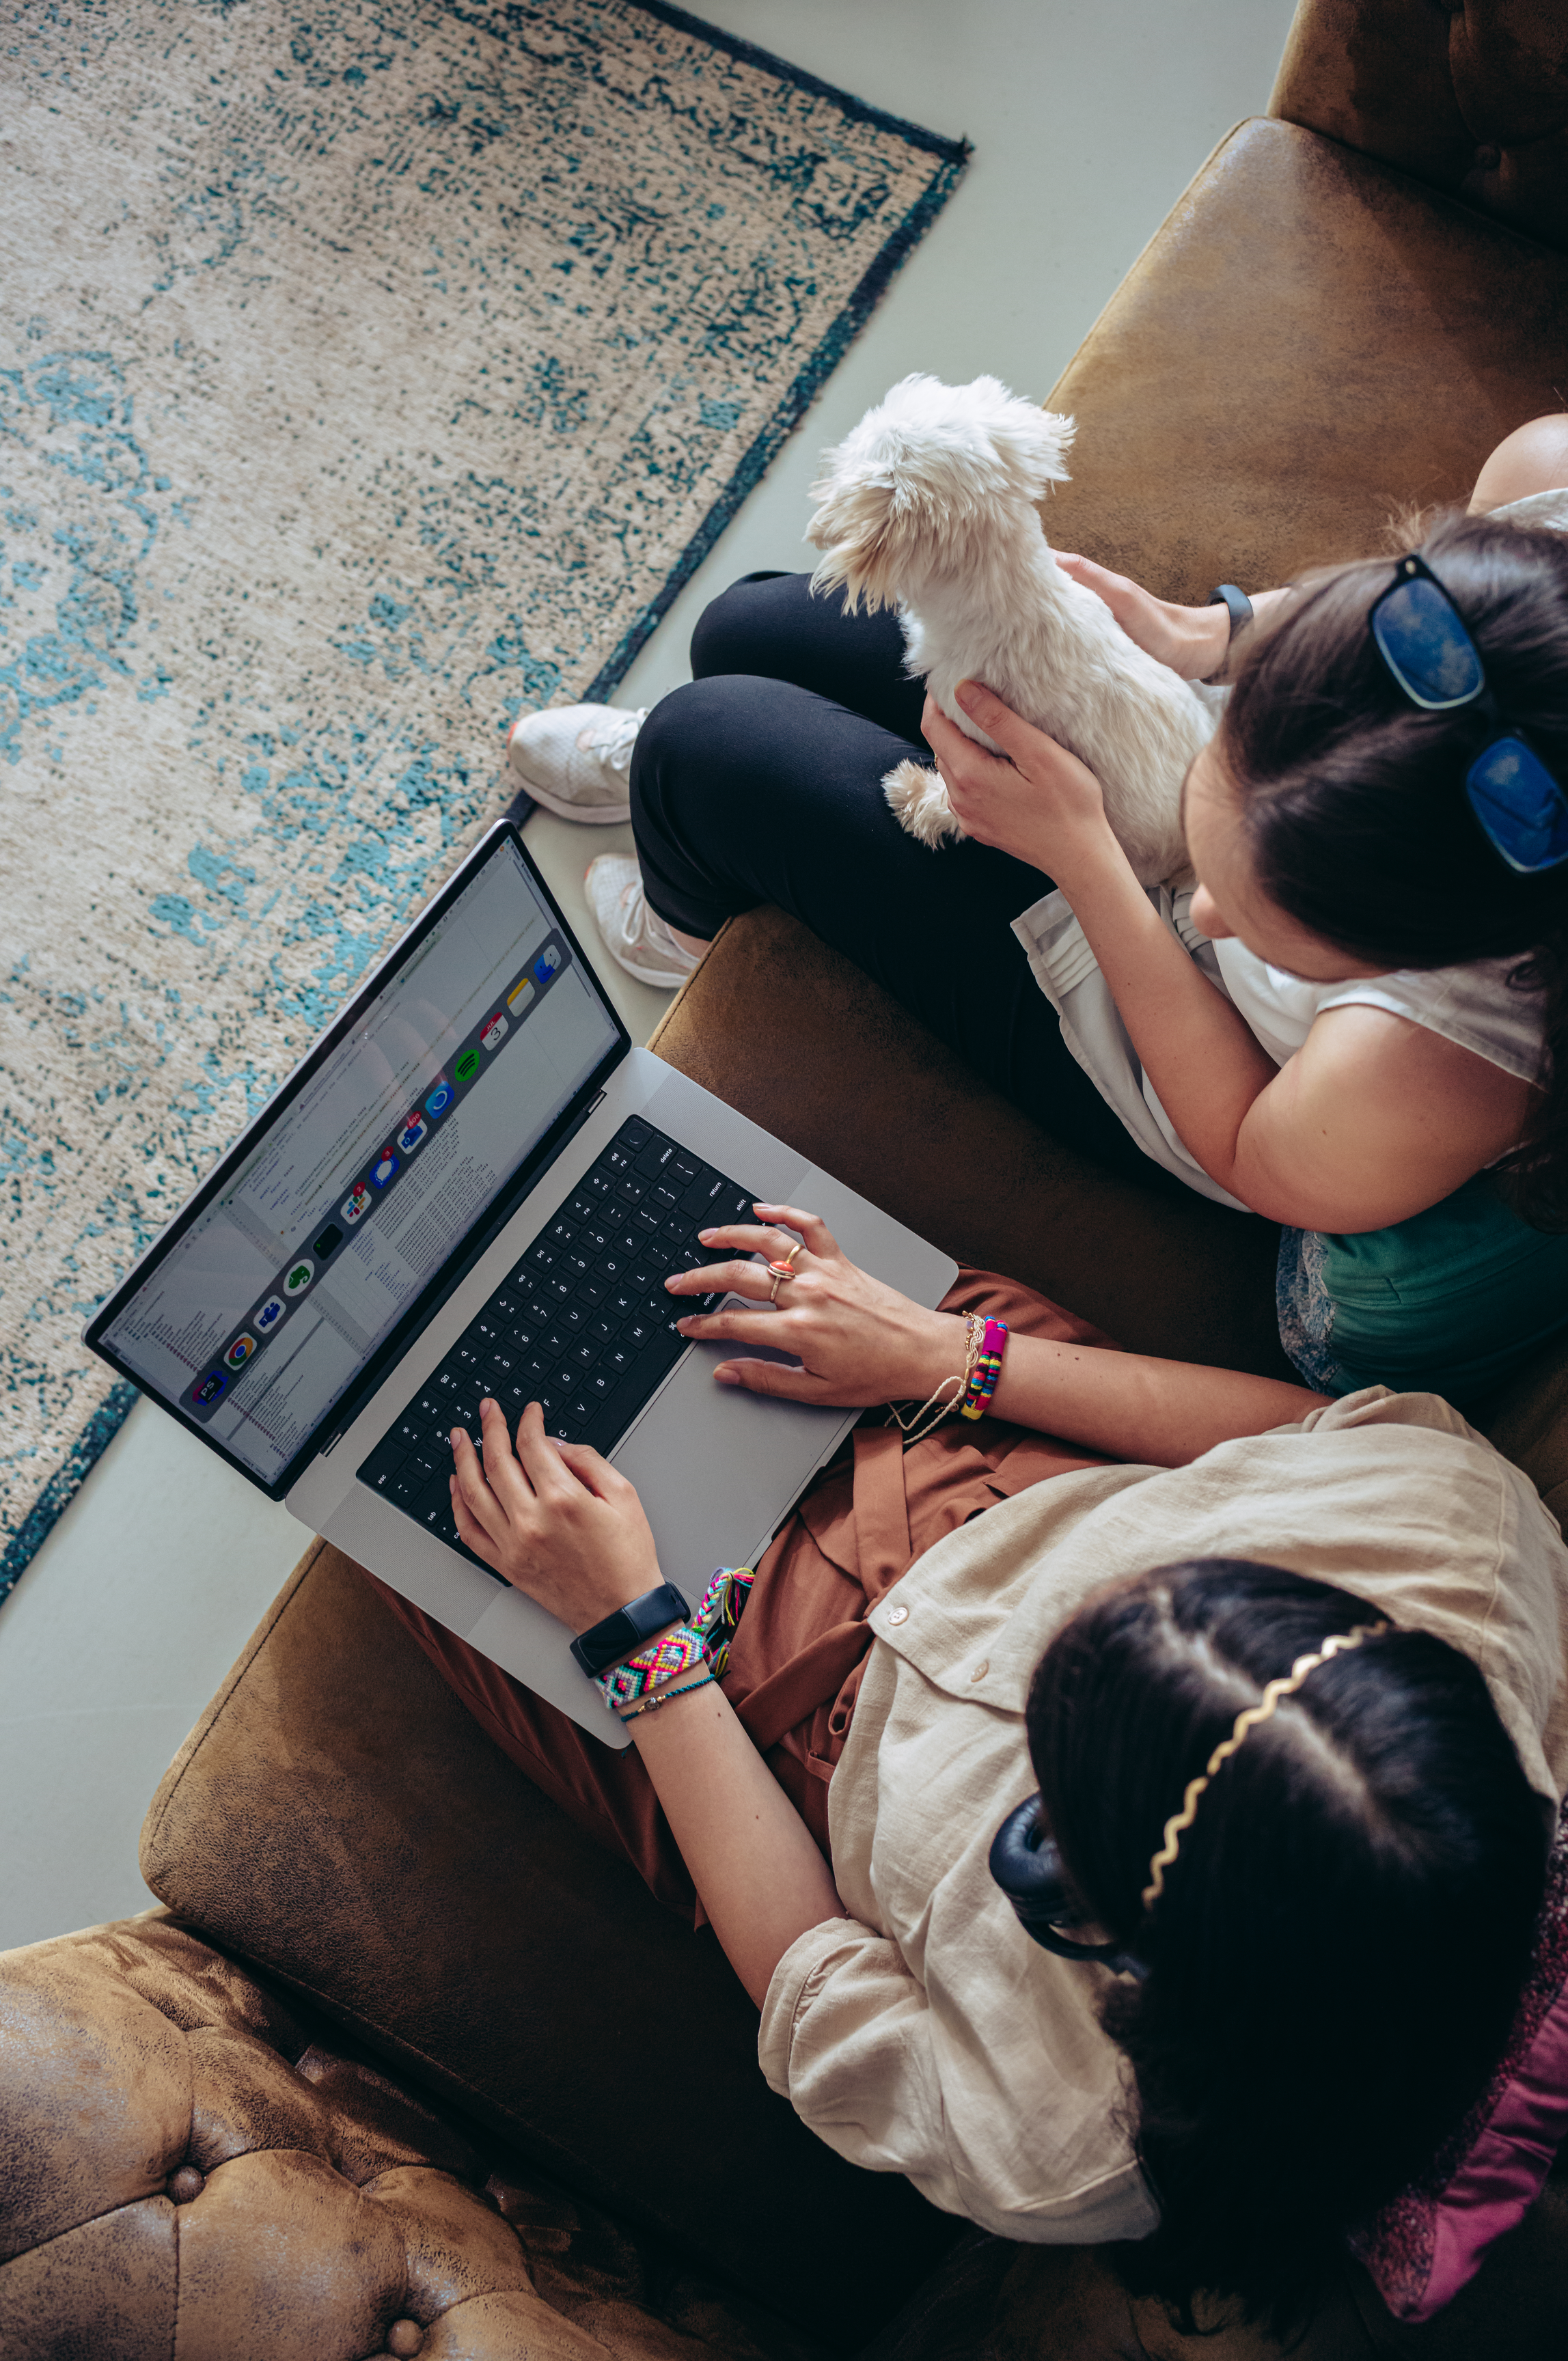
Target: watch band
(1237,603)
(621,1633)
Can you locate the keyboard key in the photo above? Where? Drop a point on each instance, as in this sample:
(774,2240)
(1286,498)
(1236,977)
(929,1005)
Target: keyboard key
(556,1290)
(584,1354)
(410,1431)
(662,1195)
(686,1169)
(677,1229)
(635,1133)
(573,1317)
(615,1158)
(654,1251)
(542,1254)
(603,1329)
(602,1383)
(562,1231)
(654,1157)
(621,1301)
(629,1190)
(599,1184)
(618,1359)
(592,1291)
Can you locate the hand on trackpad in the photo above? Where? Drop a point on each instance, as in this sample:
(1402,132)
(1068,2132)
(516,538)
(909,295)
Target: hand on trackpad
(754,1352)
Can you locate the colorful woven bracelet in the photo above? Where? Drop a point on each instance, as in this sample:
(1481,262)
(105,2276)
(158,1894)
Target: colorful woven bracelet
(651,1704)
(719,1609)
(986,1370)
(661,1659)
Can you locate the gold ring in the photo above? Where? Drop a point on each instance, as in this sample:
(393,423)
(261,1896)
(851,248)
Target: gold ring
(773,1291)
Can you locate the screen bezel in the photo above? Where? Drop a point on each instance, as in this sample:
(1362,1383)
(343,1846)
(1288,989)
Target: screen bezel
(476,1239)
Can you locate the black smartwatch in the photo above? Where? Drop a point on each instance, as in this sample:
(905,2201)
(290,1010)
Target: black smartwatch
(606,1644)
(1236,604)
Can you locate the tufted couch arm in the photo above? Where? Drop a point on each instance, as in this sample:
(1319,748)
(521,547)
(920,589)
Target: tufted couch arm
(1468,95)
(194,2164)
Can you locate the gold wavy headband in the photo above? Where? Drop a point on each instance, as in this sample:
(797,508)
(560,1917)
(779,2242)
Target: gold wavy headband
(1247,1720)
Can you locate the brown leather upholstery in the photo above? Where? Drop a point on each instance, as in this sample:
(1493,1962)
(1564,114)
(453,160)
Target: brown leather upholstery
(1471,95)
(1312,343)
(194,2166)
(337,1818)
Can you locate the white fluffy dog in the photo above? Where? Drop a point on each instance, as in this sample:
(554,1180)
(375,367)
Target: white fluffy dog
(930,506)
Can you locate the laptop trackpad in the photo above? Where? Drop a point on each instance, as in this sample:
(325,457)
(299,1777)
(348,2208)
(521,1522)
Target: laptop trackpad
(717,1467)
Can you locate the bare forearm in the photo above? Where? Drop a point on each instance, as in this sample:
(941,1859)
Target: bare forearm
(751,1855)
(1204,1060)
(1156,1414)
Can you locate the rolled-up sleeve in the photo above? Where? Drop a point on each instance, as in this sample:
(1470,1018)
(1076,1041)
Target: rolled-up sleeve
(846,2039)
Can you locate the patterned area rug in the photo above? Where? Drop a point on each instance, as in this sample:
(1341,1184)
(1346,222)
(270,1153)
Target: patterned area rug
(375,372)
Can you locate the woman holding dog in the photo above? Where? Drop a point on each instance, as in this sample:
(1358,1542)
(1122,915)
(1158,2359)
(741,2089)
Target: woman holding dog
(1383,1069)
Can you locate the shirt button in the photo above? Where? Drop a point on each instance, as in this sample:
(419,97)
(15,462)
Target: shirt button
(898,1614)
(981,1669)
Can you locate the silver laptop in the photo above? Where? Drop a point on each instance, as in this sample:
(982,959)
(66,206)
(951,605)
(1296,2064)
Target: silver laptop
(474,1183)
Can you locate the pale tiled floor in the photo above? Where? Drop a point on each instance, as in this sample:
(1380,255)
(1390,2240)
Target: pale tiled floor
(1088,118)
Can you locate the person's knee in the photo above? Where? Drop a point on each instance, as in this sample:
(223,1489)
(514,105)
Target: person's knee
(672,745)
(732,627)
(1533,458)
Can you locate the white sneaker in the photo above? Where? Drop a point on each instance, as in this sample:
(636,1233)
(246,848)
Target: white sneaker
(575,759)
(635,936)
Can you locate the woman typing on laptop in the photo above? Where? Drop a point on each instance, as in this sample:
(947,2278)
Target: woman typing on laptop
(1288,1675)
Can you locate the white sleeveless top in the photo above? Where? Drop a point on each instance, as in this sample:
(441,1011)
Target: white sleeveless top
(1474,1005)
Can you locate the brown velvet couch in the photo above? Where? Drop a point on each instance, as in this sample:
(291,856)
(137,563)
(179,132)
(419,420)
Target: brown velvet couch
(376,2079)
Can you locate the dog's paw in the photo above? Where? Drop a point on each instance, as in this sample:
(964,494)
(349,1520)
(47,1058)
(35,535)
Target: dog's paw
(918,802)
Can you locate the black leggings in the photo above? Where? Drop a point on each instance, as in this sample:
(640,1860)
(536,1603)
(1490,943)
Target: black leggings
(760,781)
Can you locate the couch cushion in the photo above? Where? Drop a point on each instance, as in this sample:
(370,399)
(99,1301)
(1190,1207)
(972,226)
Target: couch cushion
(192,2168)
(337,1818)
(1310,343)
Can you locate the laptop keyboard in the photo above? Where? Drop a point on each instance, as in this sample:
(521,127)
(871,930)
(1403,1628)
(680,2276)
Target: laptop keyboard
(583,1325)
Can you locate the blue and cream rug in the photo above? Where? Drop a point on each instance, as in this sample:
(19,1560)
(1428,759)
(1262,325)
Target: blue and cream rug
(371,372)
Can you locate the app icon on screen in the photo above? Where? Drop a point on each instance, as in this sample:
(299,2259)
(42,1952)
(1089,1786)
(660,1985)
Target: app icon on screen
(239,1352)
(270,1313)
(205,1394)
(357,1202)
(440,1098)
(494,1032)
(386,1164)
(545,965)
(519,996)
(330,1237)
(412,1132)
(467,1065)
(299,1279)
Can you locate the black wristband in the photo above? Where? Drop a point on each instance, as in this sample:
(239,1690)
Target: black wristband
(1236,604)
(618,1635)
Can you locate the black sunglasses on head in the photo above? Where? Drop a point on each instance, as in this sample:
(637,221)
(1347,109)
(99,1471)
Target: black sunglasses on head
(1420,635)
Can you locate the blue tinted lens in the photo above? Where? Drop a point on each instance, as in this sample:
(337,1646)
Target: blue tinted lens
(1426,647)
(1519,804)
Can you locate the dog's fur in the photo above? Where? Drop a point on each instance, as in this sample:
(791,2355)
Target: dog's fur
(930,506)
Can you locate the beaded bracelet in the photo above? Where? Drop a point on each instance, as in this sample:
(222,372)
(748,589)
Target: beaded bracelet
(987,1368)
(651,1704)
(937,1408)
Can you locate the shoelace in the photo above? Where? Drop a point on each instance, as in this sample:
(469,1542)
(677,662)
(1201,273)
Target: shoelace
(614,740)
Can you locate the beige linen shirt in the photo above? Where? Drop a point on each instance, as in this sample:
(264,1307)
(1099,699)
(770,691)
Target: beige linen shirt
(927,2032)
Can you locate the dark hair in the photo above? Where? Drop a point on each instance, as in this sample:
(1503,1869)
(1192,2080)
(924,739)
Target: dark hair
(1354,799)
(1339,1949)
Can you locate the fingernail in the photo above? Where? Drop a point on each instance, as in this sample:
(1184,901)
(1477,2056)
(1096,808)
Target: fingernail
(966,693)
(706,1234)
(452,1438)
(725,1376)
(673,1282)
(684,1324)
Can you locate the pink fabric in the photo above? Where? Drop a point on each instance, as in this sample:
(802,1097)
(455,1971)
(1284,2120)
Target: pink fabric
(1425,2247)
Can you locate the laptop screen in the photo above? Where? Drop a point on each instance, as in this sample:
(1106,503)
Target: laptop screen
(370,1170)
